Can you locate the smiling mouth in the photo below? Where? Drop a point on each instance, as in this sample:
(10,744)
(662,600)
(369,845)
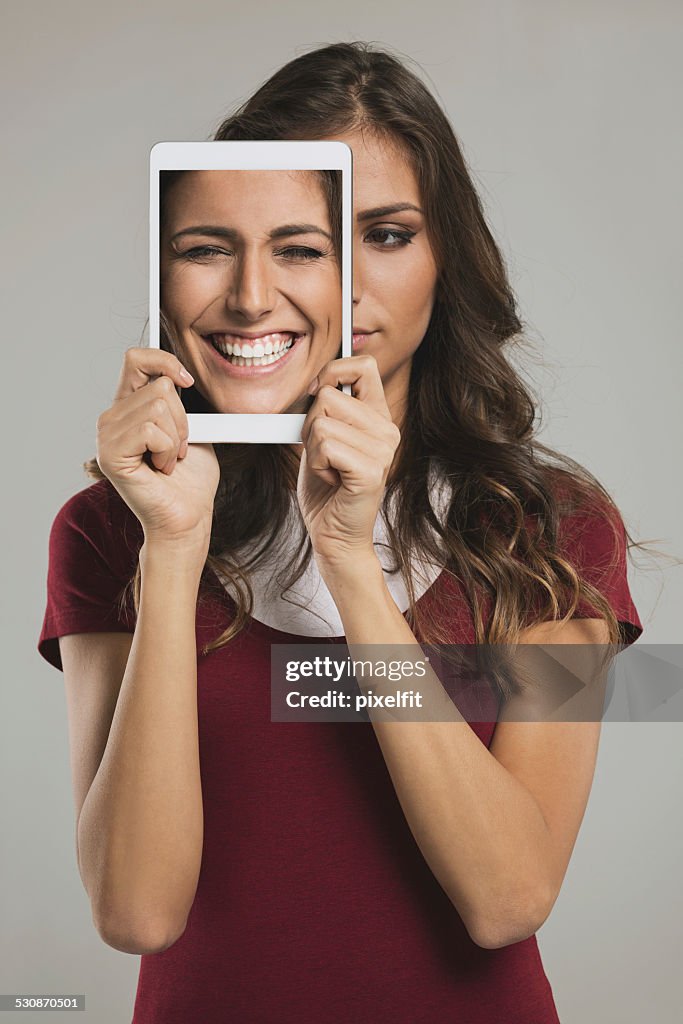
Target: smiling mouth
(260,351)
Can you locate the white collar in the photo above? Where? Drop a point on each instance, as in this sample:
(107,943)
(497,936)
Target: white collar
(311,591)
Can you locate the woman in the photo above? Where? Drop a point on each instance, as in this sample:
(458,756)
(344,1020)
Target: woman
(334,871)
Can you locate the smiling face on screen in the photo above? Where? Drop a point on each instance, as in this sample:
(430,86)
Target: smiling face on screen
(250,285)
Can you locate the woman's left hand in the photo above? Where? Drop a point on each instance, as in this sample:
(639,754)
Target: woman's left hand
(349,446)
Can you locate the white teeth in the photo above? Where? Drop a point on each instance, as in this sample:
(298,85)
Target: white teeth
(258,355)
(265,345)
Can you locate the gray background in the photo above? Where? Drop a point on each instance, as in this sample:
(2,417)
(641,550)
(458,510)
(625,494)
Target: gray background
(567,114)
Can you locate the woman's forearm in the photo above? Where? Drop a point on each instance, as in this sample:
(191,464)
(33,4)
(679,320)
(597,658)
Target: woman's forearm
(479,829)
(140,830)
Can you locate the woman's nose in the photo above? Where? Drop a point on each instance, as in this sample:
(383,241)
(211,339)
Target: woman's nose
(250,292)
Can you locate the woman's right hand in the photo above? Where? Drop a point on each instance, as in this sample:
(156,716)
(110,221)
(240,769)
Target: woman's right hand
(173,497)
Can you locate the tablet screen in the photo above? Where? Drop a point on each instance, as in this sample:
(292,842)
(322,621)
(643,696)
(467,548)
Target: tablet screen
(250,289)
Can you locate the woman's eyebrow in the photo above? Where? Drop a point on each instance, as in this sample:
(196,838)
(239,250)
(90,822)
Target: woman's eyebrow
(386,211)
(286,231)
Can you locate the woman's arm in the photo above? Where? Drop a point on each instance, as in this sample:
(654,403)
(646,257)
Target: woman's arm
(140,828)
(497,827)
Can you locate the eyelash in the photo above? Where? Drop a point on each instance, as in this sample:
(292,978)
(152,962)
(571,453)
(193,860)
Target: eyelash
(293,252)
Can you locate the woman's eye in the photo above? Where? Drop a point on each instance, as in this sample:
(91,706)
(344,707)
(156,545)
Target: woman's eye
(300,252)
(203,252)
(401,238)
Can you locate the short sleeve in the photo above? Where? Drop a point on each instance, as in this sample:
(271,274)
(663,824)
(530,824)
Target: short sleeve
(92,555)
(595,544)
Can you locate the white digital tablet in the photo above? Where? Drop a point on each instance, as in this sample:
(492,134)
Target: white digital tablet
(250,278)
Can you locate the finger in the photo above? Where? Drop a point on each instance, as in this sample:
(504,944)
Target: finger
(362,373)
(137,401)
(357,470)
(331,403)
(330,476)
(141,365)
(144,437)
(162,417)
(155,411)
(364,443)
(165,387)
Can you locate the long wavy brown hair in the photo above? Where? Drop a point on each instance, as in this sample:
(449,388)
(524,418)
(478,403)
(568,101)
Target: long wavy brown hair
(471,416)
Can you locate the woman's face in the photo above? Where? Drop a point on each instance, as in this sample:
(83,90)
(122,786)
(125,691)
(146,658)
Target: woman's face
(394,269)
(248,272)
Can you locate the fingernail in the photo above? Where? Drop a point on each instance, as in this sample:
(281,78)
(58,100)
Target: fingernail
(187,377)
(313,386)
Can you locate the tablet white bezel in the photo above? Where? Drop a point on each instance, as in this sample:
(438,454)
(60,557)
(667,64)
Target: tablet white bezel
(248,155)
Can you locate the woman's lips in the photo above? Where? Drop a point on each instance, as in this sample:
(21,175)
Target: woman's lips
(253,371)
(360,339)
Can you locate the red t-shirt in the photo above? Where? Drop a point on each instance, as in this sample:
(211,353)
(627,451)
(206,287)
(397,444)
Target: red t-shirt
(314,903)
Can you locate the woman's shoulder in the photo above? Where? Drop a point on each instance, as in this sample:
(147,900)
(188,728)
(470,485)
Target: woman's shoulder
(589,536)
(586,524)
(98,501)
(591,527)
(95,497)
(592,539)
(97,518)
(93,550)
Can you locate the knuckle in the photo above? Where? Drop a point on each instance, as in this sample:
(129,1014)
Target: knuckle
(165,385)
(158,407)
(149,430)
(318,426)
(131,357)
